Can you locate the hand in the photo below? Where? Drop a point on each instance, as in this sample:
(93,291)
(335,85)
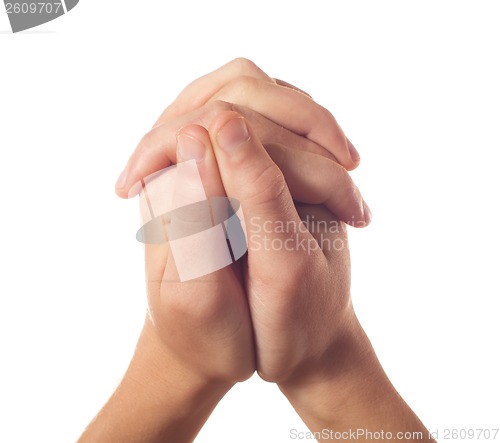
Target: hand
(298,292)
(292,127)
(241,82)
(196,343)
(297,281)
(203,322)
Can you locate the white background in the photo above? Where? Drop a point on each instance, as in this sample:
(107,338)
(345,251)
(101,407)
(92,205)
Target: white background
(415,85)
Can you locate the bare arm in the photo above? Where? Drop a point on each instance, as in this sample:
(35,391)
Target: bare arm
(352,395)
(158,400)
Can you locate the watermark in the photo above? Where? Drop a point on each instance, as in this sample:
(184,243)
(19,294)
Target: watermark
(309,235)
(208,234)
(356,434)
(29,14)
(204,234)
(462,434)
(364,434)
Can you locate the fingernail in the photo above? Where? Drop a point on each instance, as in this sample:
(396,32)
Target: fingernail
(367,213)
(189,148)
(122,179)
(355,157)
(233,134)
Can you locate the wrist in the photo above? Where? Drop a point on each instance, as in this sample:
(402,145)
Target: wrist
(351,392)
(158,399)
(350,358)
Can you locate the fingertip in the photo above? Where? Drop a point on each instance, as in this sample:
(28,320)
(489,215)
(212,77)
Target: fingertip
(121,188)
(232,135)
(220,121)
(135,189)
(121,193)
(192,143)
(195,131)
(367,214)
(354,157)
(363,219)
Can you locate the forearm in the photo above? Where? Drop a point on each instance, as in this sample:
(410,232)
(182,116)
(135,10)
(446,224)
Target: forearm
(158,400)
(351,393)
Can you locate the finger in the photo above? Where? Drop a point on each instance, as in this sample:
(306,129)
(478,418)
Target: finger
(212,297)
(250,175)
(191,227)
(312,179)
(198,92)
(157,149)
(272,133)
(232,80)
(193,143)
(293,110)
(288,85)
(197,179)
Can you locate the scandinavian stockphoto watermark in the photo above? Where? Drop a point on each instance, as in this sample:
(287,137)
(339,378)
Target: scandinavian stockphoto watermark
(308,235)
(29,14)
(206,234)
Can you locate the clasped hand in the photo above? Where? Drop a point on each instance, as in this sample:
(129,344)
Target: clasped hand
(283,310)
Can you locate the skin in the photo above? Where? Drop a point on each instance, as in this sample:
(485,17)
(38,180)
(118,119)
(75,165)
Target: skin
(307,337)
(285,312)
(290,137)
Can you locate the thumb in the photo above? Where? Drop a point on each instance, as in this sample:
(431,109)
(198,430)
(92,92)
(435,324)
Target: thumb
(275,232)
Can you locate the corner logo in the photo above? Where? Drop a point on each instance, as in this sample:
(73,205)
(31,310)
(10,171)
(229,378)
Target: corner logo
(28,14)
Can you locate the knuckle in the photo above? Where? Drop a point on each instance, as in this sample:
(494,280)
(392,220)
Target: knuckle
(325,119)
(343,178)
(218,106)
(352,198)
(325,115)
(215,108)
(241,86)
(268,186)
(147,141)
(244,65)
